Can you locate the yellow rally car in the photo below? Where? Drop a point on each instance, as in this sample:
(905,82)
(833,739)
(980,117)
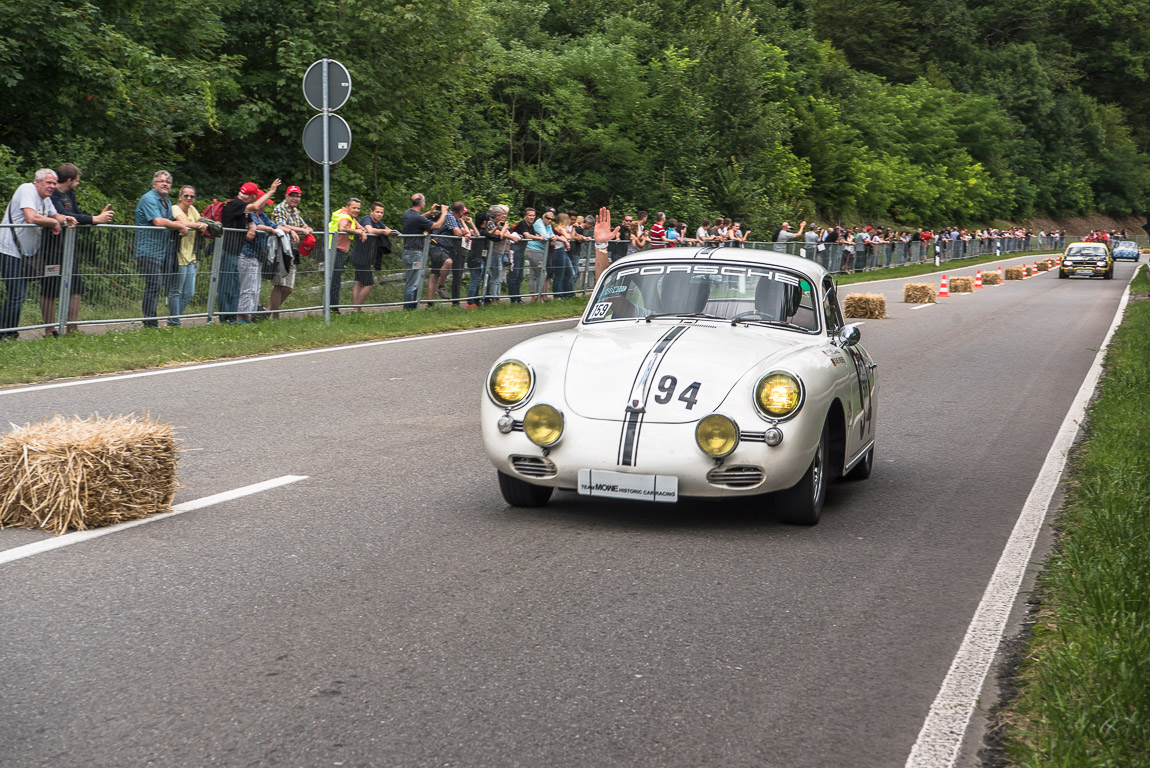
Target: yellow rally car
(1089,259)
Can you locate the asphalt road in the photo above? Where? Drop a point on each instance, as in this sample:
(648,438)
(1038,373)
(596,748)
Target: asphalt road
(391,610)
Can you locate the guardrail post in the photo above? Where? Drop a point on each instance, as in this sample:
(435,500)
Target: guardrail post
(64,297)
(214,283)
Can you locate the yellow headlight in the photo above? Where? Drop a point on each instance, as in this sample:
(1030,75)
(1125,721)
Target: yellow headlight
(778,395)
(543,425)
(510,382)
(716,435)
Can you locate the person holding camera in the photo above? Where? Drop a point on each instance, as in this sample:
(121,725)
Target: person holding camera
(439,255)
(414,226)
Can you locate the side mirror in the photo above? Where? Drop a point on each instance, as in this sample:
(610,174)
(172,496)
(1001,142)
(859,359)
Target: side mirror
(849,335)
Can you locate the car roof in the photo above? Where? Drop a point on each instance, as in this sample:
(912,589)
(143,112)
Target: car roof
(751,256)
(1089,245)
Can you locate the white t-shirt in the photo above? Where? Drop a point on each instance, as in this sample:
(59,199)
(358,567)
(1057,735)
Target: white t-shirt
(781,240)
(701,233)
(29,237)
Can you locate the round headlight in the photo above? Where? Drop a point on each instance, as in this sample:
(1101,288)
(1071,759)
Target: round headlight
(510,383)
(778,395)
(543,425)
(717,435)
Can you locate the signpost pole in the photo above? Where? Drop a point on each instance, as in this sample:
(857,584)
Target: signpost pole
(329,245)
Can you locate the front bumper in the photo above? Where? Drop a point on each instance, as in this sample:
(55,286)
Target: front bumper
(662,449)
(1090,270)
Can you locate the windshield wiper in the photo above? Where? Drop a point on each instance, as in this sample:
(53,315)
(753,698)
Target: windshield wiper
(766,321)
(683,314)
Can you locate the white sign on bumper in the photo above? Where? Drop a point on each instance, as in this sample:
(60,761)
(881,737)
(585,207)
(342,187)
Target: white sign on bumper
(622,485)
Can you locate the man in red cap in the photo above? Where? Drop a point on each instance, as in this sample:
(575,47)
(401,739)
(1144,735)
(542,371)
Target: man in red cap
(288,217)
(239,228)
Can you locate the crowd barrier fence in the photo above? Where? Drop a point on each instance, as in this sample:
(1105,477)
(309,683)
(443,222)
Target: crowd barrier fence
(96,267)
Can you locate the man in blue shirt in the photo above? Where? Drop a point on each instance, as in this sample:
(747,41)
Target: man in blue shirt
(414,227)
(536,251)
(152,246)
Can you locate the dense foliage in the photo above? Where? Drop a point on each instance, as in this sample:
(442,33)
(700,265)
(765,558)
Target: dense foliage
(905,111)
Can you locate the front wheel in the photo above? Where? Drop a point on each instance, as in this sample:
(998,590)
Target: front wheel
(802,503)
(520,494)
(1108,274)
(1062,274)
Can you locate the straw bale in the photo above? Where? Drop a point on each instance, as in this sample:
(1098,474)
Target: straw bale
(918,293)
(991,278)
(72,474)
(962,285)
(868,305)
(1044,266)
(1014,273)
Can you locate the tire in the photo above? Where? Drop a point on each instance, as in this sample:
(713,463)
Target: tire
(862,470)
(520,494)
(1108,274)
(802,503)
(1062,275)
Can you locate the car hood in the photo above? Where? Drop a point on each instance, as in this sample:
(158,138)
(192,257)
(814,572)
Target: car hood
(609,369)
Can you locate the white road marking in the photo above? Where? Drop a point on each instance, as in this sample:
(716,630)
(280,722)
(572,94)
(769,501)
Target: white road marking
(262,358)
(17,553)
(924,306)
(940,739)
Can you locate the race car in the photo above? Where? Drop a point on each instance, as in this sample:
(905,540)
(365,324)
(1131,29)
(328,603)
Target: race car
(693,373)
(1087,259)
(1126,249)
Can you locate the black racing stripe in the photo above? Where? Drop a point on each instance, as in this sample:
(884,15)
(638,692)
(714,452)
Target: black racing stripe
(629,438)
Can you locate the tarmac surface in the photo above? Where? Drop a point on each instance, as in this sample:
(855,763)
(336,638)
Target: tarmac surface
(392,610)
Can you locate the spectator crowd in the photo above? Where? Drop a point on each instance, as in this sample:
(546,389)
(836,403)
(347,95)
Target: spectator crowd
(263,239)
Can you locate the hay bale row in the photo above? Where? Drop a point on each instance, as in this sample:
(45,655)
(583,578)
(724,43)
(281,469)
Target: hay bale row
(919,293)
(868,305)
(991,278)
(1014,273)
(1044,266)
(73,474)
(962,285)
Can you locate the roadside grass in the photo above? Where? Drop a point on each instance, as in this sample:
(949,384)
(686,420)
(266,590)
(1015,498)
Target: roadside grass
(79,355)
(1084,682)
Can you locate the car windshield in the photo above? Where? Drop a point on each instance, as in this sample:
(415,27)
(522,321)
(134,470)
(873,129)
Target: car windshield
(1127,245)
(712,289)
(1086,250)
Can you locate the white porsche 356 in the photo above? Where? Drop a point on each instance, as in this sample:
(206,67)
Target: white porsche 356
(694,372)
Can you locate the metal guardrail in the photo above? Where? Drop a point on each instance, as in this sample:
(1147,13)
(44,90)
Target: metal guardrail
(96,268)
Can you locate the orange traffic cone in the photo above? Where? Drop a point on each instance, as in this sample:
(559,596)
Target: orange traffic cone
(943,289)
(978,280)
(1025,271)
(1035,268)
(1000,280)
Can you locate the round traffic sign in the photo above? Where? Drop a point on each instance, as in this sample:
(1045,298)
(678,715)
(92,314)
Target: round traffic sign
(338,84)
(338,138)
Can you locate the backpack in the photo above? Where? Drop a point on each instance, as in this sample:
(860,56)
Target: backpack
(214,215)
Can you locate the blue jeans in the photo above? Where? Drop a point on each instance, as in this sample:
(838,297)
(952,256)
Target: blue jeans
(413,260)
(182,289)
(16,290)
(515,275)
(563,273)
(229,291)
(475,282)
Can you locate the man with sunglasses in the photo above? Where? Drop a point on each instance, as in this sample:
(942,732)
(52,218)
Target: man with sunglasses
(287,217)
(537,248)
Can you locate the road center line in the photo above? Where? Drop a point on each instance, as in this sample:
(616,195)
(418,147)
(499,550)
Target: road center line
(941,737)
(17,553)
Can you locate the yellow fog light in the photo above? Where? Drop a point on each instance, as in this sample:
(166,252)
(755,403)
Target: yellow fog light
(510,383)
(543,425)
(717,435)
(778,395)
